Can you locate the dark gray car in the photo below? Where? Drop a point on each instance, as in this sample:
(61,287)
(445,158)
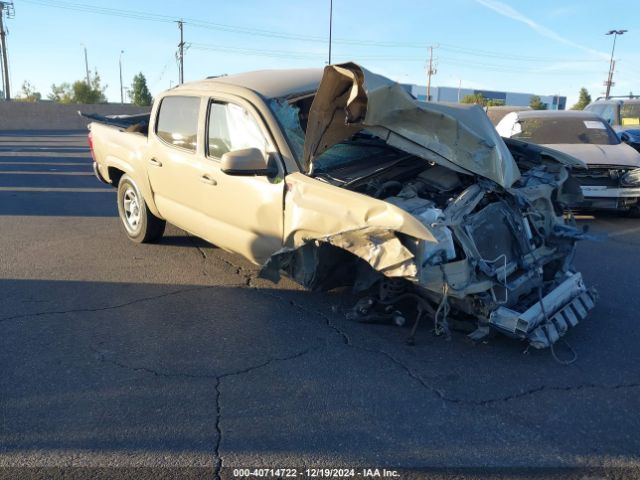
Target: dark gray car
(612,180)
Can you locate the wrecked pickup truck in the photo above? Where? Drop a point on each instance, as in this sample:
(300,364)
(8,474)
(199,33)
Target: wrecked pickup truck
(342,178)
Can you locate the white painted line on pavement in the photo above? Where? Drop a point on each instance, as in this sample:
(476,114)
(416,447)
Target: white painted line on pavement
(46,189)
(624,232)
(25,172)
(84,164)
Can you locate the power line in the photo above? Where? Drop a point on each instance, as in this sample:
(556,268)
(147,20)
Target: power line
(138,15)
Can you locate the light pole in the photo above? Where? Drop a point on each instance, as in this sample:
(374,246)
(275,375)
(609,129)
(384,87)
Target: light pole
(330,26)
(86,63)
(609,81)
(121,90)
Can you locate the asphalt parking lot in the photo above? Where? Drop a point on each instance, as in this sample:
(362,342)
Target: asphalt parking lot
(176,354)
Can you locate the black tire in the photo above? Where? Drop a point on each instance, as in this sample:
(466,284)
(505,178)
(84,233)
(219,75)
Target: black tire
(138,222)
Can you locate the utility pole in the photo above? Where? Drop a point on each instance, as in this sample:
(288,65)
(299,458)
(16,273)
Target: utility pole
(86,64)
(612,63)
(181,51)
(8,8)
(609,83)
(121,90)
(330,26)
(430,71)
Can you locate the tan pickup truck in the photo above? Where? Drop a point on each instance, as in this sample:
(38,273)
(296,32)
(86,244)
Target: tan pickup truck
(339,177)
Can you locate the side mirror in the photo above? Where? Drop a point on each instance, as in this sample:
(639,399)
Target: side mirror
(246,162)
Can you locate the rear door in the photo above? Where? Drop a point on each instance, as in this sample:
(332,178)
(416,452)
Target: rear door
(173,165)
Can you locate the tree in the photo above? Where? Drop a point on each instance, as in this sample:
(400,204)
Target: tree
(479,99)
(476,98)
(79,92)
(140,94)
(28,93)
(61,93)
(536,103)
(584,99)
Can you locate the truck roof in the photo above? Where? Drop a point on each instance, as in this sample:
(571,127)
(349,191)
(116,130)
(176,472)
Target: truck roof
(267,83)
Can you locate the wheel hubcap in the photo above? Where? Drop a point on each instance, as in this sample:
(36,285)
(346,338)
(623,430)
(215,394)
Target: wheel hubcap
(131,208)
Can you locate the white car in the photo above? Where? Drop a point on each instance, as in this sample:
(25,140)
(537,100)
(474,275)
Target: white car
(612,180)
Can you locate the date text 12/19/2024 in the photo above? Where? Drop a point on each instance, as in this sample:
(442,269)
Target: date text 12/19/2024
(315,473)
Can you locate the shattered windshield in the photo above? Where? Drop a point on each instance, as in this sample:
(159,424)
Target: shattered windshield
(566,131)
(362,147)
(288,116)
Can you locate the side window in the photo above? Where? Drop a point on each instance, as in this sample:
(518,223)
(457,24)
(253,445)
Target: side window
(231,127)
(178,121)
(609,113)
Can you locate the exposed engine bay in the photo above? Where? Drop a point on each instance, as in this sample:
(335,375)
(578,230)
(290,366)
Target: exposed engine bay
(498,252)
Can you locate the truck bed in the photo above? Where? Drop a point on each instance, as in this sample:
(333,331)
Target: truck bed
(116,147)
(132,123)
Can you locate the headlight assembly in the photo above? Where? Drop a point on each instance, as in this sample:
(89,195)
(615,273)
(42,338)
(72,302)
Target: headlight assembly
(631,178)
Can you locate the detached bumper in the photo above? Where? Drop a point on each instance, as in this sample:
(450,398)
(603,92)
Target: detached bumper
(542,325)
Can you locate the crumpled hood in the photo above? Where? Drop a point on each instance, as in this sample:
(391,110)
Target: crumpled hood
(459,137)
(615,155)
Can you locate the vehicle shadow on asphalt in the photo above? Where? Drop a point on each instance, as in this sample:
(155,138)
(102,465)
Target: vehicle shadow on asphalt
(157,371)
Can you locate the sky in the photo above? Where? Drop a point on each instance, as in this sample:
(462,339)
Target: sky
(546,47)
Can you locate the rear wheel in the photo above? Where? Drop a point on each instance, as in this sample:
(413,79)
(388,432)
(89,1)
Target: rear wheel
(139,223)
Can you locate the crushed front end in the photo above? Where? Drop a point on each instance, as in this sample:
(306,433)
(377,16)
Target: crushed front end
(502,260)
(429,212)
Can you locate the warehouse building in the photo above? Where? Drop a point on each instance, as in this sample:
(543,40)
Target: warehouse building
(454,95)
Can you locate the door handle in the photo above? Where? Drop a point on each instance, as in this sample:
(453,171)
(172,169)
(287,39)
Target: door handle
(208,180)
(155,162)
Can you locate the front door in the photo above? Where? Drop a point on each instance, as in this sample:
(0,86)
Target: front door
(249,209)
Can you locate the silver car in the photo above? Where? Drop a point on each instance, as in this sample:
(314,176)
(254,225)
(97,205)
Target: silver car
(612,180)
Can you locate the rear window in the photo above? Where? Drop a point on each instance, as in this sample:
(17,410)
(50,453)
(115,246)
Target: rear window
(178,122)
(566,130)
(630,113)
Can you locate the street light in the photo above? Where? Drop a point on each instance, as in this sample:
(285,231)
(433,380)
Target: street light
(86,63)
(609,81)
(330,27)
(121,90)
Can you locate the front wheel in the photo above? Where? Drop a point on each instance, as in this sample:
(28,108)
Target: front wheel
(139,223)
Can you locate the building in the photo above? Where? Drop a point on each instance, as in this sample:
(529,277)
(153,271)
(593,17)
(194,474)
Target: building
(454,95)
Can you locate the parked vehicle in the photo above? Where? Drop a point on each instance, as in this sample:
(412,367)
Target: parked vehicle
(623,114)
(342,178)
(612,180)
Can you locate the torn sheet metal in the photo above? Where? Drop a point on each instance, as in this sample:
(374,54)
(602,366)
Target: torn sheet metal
(315,210)
(381,249)
(459,137)
(368,228)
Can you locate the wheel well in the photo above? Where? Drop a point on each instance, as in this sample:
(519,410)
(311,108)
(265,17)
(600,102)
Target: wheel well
(115,175)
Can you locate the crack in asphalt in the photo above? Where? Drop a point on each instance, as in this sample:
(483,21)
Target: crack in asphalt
(415,376)
(218,380)
(238,270)
(107,307)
